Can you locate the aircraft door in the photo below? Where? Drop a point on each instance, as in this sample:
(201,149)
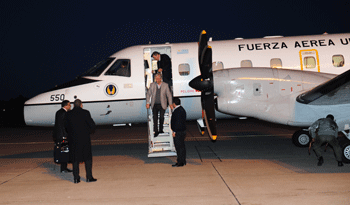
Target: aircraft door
(309,60)
(151,65)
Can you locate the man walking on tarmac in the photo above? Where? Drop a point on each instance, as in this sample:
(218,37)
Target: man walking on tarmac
(327,131)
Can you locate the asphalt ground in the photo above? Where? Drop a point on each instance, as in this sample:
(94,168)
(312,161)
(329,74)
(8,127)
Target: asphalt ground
(252,162)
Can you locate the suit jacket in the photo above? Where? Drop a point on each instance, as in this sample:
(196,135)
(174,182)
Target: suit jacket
(164,95)
(79,125)
(59,130)
(165,65)
(178,120)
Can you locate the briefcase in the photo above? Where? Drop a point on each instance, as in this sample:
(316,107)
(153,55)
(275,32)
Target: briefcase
(61,152)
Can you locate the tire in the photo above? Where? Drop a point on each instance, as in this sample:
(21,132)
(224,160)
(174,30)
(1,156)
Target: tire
(345,145)
(301,138)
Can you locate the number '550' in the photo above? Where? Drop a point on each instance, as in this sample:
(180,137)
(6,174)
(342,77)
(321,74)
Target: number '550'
(57,97)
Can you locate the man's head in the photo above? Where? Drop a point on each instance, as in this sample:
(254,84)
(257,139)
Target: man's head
(158,78)
(330,117)
(177,101)
(66,104)
(78,103)
(156,55)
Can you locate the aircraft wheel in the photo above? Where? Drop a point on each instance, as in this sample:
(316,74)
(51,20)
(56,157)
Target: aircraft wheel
(301,138)
(345,151)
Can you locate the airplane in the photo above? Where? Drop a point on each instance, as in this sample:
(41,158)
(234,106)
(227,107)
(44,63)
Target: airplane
(116,95)
(283,96)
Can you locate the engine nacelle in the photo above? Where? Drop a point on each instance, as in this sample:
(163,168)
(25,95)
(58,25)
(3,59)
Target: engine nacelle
(264,93)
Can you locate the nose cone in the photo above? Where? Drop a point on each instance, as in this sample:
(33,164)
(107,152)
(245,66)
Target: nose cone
(39,113)
(200,84)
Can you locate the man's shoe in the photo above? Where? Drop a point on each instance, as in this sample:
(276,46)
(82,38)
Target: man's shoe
(76,181)
(91,180)
(175,165)
(320,161)
(161,131)
(180,165)
(66,170)
(156,134)
(340,164)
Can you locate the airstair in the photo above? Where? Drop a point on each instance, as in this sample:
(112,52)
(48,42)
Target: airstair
(163,144)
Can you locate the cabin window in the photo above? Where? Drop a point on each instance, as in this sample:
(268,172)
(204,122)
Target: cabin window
(338,60)
(218,65)
(120,68)
(309,62)
(276,63)
(98,68)
(184,69)
(246,63)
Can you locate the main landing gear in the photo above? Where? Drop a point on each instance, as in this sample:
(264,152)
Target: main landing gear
(301,138)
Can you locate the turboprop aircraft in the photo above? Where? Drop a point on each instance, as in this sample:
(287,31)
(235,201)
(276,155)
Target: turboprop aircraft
(284,96)
(114,90)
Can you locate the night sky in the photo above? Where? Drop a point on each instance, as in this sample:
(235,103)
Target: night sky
(47,43)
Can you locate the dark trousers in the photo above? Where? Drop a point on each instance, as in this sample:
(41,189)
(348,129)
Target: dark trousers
(179,141)
(88,169)
(332,141)
(157,108)
(63,166)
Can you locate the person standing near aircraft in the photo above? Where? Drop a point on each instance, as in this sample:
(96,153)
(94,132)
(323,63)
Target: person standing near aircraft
(178,125)
(327,131)
(164,67)
(59,132)
(79,125)
(158,96)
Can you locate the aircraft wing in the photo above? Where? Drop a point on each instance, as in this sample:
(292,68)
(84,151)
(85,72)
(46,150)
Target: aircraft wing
(333,92)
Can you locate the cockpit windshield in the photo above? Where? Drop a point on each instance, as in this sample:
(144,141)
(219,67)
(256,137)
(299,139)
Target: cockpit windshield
(98,68)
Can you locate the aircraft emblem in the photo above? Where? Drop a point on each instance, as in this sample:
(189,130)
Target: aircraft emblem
(111,89)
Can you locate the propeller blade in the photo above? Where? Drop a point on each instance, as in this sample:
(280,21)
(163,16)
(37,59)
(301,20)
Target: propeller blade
(209,115)
(202,43)
(206,63)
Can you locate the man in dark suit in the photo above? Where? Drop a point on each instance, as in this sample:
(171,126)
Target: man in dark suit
(79,125)
(178,125)
(164,67)
(59,132)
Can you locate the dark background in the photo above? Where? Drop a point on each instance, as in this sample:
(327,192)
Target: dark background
(47,43)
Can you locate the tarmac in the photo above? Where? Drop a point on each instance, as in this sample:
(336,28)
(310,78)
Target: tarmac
(252,162)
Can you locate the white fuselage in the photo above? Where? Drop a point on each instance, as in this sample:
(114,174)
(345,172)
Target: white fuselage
(127,103)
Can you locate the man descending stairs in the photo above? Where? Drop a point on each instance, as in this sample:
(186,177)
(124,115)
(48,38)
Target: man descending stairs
(158,97)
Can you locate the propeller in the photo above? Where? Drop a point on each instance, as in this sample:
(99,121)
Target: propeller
(204,83)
